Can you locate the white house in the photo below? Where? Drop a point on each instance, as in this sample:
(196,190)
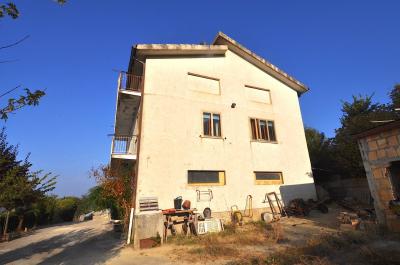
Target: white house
(193,120)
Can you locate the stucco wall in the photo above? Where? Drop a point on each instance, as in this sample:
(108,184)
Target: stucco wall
(172,124)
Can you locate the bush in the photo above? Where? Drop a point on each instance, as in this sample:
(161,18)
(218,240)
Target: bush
(66,208)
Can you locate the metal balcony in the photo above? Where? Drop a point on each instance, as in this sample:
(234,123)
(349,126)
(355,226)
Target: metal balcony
(129,82)
(124,147)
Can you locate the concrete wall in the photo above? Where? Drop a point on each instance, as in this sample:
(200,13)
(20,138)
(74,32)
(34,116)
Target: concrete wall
(378,151)
(171,142)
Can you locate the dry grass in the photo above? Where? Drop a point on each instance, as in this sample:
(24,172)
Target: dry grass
(330,249)
(257,243)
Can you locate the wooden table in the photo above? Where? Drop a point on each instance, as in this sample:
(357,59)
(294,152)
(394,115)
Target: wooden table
(187,218)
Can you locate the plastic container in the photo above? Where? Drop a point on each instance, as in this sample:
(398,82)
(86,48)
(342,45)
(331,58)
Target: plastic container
(178,203)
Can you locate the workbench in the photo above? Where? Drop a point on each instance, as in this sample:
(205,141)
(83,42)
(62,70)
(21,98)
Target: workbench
(188,219)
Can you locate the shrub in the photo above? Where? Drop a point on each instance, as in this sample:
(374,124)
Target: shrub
(66,208)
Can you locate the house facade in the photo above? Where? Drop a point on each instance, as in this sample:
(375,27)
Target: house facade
(211,123)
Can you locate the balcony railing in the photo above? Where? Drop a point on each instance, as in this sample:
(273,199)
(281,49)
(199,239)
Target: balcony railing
(124,145)
(130,82)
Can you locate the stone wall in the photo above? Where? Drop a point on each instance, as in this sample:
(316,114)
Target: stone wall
(378,151)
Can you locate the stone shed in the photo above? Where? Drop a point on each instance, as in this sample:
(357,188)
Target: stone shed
(380,151)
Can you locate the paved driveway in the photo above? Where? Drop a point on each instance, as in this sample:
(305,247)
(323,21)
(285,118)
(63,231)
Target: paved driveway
(91,242)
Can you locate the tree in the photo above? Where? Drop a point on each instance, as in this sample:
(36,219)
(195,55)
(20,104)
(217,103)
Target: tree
(395,96)
(11,10)
(358,115)
(20,187)
(320,151)
(116,182)
(66,208)
(28,98)
(95,200)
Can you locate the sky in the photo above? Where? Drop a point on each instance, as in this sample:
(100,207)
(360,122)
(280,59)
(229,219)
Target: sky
(337,48)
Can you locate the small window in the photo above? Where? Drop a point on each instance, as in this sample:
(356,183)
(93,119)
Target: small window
(265,178)
(206,177)
(211,124)
(206,123)
(262,130)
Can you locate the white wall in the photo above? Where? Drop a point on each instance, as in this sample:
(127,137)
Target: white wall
(172,124)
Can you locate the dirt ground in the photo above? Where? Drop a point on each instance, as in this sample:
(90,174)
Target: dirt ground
(314,240)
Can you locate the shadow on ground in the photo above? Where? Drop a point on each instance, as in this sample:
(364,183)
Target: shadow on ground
(83,246)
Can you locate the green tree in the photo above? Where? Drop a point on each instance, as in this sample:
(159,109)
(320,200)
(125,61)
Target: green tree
(98,199)
(358,115)
(395,97)
(66,208)
(10,9)
(20,187)
(320,151)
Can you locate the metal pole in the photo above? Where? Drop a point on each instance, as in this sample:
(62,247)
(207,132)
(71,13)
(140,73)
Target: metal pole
(128,241)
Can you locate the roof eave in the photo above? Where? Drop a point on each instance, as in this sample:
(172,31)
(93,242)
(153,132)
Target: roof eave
(223,39)
(179,49)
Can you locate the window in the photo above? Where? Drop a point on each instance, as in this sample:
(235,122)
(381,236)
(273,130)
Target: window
(265,178)
(262,130)
(211,124)
(206,177)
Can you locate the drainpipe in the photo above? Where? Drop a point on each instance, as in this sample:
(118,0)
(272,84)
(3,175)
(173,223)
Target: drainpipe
(136,170)
(128,241)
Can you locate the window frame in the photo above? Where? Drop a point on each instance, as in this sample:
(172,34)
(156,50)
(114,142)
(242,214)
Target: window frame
(259,132)
(221,178)
(268,182)
(212,113)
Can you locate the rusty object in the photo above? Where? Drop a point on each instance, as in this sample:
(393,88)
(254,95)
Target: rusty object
(148,243)
(186,205)
(169,211)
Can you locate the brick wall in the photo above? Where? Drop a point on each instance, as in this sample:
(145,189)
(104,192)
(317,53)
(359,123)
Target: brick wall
(378,151)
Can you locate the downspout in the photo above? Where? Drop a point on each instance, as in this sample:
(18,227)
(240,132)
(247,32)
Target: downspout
(140,114)
(136,169)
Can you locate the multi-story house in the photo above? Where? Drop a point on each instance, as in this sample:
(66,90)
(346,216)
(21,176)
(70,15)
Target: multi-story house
(210,120)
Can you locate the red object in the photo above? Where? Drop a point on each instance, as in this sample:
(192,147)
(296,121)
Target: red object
(186,205)
(167,211)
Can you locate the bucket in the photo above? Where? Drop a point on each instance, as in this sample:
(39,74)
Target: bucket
(178,203)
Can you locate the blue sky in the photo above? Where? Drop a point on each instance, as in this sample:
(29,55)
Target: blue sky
(337,48)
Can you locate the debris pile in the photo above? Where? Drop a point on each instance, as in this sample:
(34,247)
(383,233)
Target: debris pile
(299,207)
(359,216)
(349,221)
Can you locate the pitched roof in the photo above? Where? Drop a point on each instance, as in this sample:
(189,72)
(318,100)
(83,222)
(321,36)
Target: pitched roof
(219,46)
(223,39)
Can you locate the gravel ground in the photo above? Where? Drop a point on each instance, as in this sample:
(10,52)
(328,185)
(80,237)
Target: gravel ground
(91,242)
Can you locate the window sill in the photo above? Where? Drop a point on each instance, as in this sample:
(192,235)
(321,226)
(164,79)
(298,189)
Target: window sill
(205,184)
(212,137)
(264,141)
(269,182)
